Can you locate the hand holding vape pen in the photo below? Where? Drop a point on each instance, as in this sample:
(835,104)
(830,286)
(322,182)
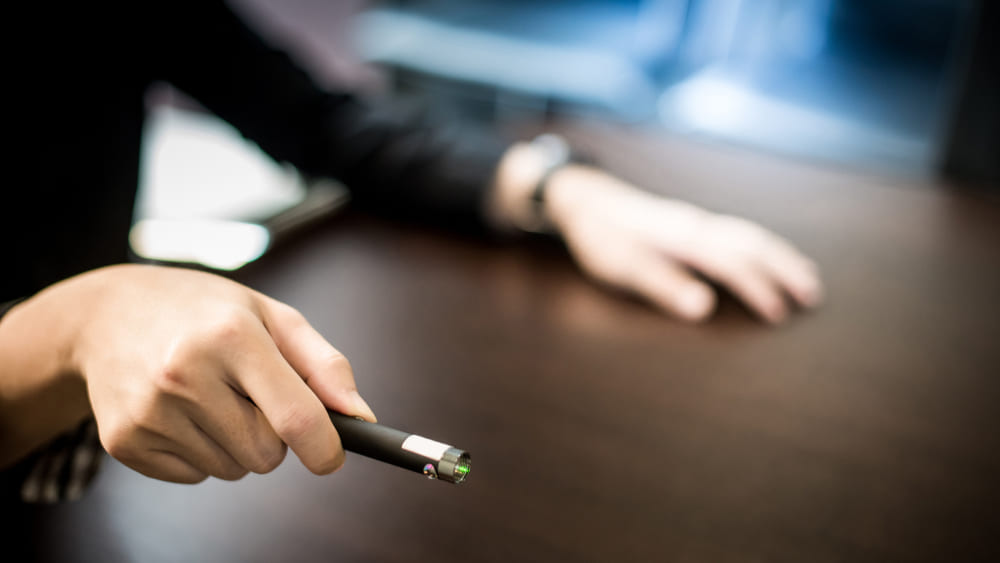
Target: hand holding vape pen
(402,449)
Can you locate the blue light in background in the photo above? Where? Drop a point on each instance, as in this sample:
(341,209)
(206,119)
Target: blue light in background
(859,81)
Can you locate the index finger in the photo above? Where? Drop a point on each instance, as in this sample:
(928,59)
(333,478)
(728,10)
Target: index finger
(295,413)
(323,368)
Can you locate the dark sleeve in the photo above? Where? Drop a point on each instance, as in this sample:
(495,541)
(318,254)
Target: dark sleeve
(399,165)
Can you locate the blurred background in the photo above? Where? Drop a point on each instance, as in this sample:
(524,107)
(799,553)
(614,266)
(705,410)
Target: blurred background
(866,82)
(906,88)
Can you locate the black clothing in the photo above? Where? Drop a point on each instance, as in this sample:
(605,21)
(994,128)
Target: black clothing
(79,84)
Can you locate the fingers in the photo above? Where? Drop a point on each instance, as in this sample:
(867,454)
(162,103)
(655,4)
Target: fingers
(675,290)
(793,272)
(296,414)
(757,291)
(186,456)
(196,448)
(197,375)
(206,421)
(240,430)
(169,424)
(767,275)
(324,369)
(746,280)
(650,245)
(166,466)
(149,453)
(758,267)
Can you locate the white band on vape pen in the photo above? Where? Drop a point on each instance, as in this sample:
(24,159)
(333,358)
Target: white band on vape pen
(425,447)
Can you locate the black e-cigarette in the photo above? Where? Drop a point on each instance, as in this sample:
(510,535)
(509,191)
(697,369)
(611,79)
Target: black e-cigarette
(402,449)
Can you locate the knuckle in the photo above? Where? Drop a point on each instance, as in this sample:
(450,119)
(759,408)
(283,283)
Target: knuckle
(332,361)
(116,442)
(173,373)
(171,377)
(295,424)
(270,457)
(145,412)
(119,434)
(228,327)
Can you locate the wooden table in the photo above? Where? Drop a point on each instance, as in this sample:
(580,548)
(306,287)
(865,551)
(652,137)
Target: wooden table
(604,432)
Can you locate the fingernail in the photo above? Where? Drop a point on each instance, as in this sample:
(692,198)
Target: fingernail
(362,406)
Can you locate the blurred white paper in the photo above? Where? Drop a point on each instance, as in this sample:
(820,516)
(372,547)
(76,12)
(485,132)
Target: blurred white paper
(196,166)
(204,188)
(218,244)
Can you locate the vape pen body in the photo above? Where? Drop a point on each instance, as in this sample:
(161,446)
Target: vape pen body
(409,451)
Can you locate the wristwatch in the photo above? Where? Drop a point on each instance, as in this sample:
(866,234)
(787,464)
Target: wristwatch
(556,153)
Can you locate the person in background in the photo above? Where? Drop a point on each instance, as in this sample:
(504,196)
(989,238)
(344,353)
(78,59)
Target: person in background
(182,374)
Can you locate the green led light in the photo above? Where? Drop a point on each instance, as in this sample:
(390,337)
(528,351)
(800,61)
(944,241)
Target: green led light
(462,468)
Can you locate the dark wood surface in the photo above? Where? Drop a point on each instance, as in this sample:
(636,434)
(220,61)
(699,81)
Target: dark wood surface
(602,431)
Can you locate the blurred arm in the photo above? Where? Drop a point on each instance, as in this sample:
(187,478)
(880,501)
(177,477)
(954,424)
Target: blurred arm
(393,161)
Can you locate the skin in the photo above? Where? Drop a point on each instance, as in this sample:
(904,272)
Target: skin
(656,247)
(190,375)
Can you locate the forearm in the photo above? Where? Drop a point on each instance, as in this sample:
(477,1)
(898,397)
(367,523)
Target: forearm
(40,395)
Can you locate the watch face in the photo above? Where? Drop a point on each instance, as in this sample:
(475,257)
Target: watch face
(555,147)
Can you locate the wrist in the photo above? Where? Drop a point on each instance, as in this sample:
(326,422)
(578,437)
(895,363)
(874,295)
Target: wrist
(520,198)
(35,334)
(569,188)
(41,393)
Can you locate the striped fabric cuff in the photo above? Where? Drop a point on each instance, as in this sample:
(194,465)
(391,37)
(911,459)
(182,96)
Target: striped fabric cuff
(60,471)
(63,470)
